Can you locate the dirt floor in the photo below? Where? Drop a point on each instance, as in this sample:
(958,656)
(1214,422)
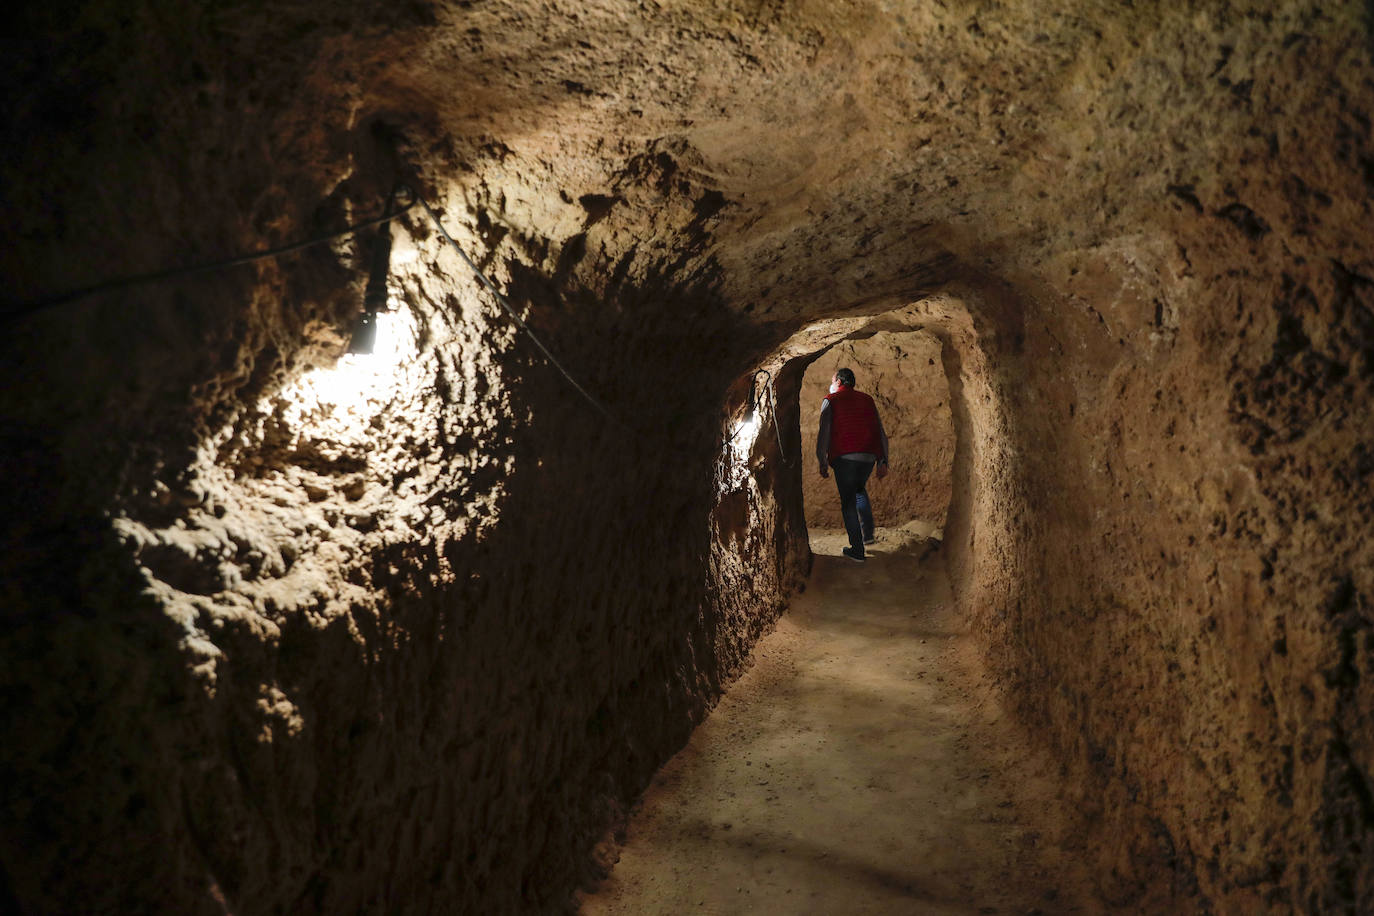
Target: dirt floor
(860,766)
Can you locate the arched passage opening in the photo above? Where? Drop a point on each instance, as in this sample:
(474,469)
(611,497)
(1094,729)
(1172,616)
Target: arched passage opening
(845,677)
(976,504)
(904,373)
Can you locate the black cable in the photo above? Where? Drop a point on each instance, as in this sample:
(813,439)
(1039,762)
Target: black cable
(772,408)
(777,427)
(755,400)
(514,316)
(28,308)
(388,214)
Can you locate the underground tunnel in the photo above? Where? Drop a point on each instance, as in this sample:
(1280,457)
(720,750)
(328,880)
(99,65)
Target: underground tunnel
(904,372)
(293,629)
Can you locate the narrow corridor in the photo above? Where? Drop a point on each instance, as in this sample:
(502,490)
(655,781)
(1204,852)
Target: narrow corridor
(859,766)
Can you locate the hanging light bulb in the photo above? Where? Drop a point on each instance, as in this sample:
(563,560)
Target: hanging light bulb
(364,337)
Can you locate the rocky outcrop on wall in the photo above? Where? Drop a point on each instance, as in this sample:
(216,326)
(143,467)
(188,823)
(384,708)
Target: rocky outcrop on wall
(904,373)
(258,660)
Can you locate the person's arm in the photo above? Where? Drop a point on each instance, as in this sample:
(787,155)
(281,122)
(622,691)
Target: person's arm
(823,438)
(882,459)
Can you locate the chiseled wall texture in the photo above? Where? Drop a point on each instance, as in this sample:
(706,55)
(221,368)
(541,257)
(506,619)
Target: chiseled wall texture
(259,661)
(904,373)
(410,659)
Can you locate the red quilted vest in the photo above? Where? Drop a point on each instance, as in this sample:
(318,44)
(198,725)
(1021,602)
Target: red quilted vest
(853,424)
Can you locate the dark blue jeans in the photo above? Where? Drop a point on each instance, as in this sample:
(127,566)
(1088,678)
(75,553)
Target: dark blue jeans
(851,478)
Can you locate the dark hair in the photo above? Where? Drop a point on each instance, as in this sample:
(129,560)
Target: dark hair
(845,377)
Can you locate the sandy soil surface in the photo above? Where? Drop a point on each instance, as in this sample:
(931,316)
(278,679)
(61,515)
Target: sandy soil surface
(860,766)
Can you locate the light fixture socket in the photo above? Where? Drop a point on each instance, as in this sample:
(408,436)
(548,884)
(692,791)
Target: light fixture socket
(375,298)
(376,295)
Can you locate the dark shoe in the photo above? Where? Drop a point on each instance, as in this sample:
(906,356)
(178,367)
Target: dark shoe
(853,554)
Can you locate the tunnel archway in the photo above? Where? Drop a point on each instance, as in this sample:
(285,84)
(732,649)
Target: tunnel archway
(984,474)
(904,373)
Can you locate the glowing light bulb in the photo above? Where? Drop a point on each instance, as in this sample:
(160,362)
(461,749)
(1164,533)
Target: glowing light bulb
(340,398)
(743,436)
(357,377)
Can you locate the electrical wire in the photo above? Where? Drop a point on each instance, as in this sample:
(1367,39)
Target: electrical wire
(755,399)
(28,308)
(772,410)
(777,427)
(514,316)
(388,214)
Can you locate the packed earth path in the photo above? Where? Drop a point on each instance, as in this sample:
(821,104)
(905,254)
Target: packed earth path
(861,765)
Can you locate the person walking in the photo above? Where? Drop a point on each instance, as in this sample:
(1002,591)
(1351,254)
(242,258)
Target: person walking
(851,439)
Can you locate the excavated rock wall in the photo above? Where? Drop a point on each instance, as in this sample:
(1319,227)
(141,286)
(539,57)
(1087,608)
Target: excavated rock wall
(905,376)
(409,655)
(1164,544)
(267,653)
(1190,595)
(255,662)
